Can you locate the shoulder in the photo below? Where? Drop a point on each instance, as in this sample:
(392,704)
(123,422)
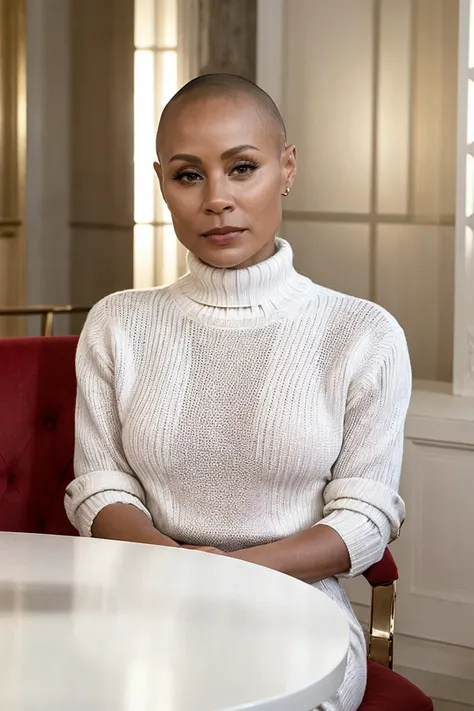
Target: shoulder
(131,311)
(359,337)
(122,319)
(129,302)
(356,319)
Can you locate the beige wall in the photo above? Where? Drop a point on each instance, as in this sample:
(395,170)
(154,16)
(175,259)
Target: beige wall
(79,188)
(48,138)
(369,97)
(101,148)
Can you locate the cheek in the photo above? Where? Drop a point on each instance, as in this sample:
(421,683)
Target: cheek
(181,202)
(263,197)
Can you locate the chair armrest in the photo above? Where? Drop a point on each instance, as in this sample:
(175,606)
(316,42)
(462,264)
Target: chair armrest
(382,577)
(384,572)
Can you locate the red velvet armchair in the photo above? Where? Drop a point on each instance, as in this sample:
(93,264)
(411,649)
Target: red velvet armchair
(37,400)
(386,690)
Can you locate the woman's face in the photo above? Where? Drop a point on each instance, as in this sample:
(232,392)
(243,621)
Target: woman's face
(222,171)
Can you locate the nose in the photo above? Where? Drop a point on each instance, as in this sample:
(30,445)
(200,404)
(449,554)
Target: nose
(218,198)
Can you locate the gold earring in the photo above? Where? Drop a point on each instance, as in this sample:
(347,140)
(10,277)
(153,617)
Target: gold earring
(287,192)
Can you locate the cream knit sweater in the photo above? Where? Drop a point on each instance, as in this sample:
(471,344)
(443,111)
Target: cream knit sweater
(236,407)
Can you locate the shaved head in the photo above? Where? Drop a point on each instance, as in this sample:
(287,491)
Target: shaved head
(219,86)
(223,164)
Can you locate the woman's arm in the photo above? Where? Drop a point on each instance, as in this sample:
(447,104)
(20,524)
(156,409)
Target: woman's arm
(362,509)
(105,499)
(124,522)
(311,555)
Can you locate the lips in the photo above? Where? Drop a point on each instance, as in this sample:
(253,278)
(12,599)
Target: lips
(223,235)
(226,230)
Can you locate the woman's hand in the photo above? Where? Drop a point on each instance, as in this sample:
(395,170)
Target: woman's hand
(206,549)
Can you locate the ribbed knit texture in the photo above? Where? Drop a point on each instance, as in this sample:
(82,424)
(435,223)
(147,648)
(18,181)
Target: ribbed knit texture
(237,407)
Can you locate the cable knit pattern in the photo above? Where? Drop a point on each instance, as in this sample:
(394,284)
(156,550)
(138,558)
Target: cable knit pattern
(236,407)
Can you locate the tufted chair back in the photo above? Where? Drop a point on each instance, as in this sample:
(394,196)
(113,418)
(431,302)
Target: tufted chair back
(37,402)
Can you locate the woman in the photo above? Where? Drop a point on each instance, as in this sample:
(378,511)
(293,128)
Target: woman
(242,410)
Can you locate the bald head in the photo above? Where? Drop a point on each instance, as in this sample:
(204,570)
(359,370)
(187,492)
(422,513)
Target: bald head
(219,86)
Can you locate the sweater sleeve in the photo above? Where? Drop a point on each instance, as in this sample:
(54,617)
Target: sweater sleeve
(361,501)
(102,473)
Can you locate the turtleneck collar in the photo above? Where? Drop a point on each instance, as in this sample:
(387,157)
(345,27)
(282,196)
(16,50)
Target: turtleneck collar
(262,290)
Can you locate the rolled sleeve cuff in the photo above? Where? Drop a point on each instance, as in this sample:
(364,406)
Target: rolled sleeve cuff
(89,494)
(364,540)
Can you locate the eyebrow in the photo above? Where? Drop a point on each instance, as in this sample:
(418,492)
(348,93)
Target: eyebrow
(229,153)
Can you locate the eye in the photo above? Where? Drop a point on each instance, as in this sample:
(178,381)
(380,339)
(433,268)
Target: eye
(186,177)
(244,168)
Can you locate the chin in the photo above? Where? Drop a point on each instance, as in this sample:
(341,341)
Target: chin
(225,258)
(242,254)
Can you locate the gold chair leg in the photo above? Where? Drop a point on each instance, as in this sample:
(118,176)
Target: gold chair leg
(382,624)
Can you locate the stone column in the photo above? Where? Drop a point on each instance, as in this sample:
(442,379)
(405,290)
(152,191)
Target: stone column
(227,37)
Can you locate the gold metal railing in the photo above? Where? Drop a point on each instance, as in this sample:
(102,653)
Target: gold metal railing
(47,314)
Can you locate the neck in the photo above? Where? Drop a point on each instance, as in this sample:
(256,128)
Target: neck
(252,292)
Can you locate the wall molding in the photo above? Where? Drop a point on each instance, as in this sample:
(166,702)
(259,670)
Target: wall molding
(439,444)
(366,218)
(113,226)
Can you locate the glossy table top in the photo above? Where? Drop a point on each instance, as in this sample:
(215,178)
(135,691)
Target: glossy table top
(108,626)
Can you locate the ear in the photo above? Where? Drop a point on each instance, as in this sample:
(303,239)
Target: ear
(288,165)
(159,175)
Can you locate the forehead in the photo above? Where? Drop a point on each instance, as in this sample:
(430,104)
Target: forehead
(213,125)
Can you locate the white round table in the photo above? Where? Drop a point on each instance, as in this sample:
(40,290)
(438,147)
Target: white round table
(108,626)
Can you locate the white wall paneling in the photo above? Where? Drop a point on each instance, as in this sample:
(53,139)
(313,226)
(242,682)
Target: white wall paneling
(436,588)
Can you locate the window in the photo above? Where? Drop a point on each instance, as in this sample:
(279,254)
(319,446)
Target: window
(158,257)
